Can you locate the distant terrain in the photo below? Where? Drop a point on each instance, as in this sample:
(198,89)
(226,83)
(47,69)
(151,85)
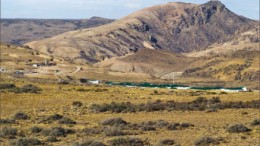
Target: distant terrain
(20,31)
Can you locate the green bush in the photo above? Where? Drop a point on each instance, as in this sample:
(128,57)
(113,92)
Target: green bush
(21,116)
(36,129)
(26,142)
(114,122)
(238,128)
(7,121)
(8,132)
(6,86)
(206,141)
(256,122)
(26,89)
(167,142)
(90,143)
(66,120)
(114,131)
(127,142)
(57,132)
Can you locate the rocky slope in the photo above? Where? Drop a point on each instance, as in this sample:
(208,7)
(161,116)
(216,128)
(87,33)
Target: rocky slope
(177,27)
(20,31)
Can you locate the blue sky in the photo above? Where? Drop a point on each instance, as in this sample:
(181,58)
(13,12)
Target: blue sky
(75,9)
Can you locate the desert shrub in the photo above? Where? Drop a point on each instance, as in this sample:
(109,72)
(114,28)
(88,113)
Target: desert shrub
(7,121)
(77,104)
(36,129)
(66,120)
(8,132)
(26,89)
(21,116)
(214,100)
(52,139)
(179,126)
(200,100)
(205,141)
(6,86)
(26,142)
(167,142)
(92,131)
(83,90)
(173,126)
(238,128)
(256,122)
(57,132)
(161,124)
(114,107)
(100,90)
(148,126)
(127,142)
(53,118)
(200,104)
(154,106)
(114,122)
(186,125)
(90,143)
(114,131)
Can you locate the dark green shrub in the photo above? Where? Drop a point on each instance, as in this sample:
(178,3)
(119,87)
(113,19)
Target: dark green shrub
(52,139)
(167,142)
(21,116)
(114,122)
(26,89)
(36,129)
(90,143)
(127,142)
(114,131)
(92,131)
(66,120)
(8,132)
(238,128)
(26,142)
(6,86)
(57,132)
(206,141)
(52,118)
(77,104)
(256,122)
(7,121)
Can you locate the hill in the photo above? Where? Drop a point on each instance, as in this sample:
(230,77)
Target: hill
(176,27)
(20,31)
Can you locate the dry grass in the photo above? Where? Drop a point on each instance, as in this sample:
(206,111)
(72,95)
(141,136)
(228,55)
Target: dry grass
(58,99)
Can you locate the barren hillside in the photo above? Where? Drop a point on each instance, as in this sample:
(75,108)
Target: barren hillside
(178,27)
(20,31)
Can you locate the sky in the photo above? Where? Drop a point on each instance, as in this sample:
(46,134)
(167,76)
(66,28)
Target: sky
(81,9)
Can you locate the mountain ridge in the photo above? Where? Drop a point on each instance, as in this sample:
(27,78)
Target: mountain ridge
(177,27)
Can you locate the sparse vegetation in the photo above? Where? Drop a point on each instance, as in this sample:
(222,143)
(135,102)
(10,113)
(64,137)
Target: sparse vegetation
(238,128)
(21,116)
(128,141)
(114,122)
(256,122)
(36,129)
(7,121)
(57,132)
(205,141)
(8,132)
(90,143)
(200,104)
(167,142)
(26,142)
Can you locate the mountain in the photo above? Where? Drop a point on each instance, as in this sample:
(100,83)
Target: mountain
(176,27)
(20,31)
